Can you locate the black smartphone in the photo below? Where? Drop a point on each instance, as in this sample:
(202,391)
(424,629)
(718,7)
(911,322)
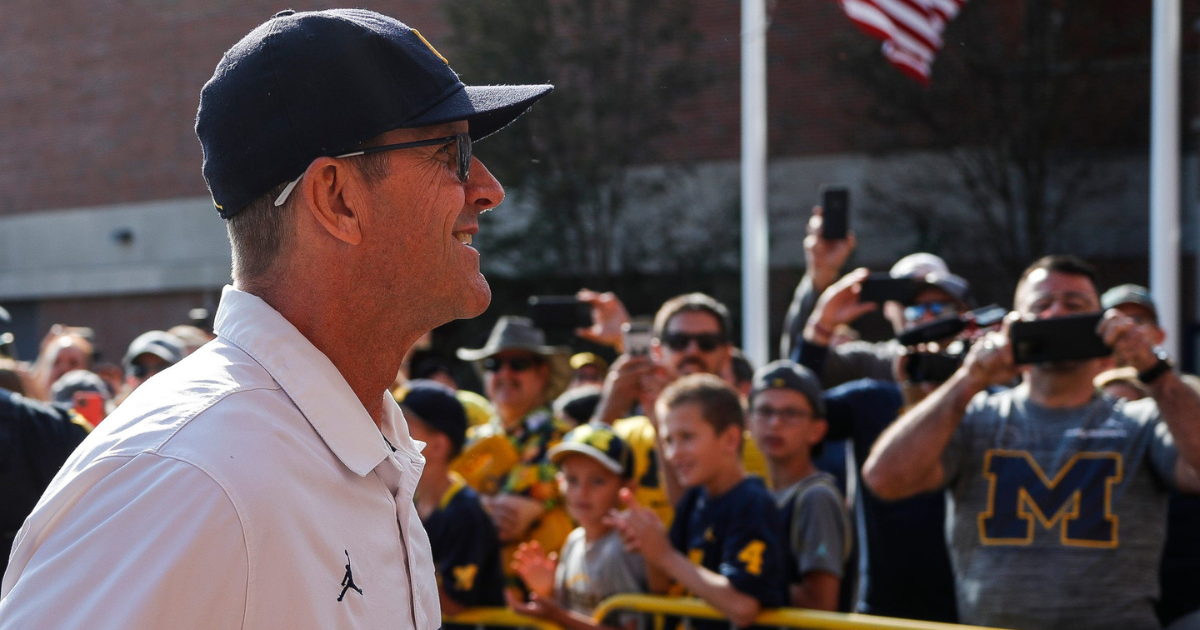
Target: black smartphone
(931,367)
(950,325)
(881,287)
(559,312)
(1070,338)
(835,212)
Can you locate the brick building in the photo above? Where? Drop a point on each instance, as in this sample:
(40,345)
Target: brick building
(105,221)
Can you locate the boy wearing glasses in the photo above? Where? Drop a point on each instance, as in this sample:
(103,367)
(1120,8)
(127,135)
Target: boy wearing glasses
(787,420)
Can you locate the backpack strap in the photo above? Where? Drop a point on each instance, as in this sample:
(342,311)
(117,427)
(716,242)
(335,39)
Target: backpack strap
(820,478)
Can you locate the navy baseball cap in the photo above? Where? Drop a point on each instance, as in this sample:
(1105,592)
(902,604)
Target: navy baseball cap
(600,443)
(438,407)
(784,374)
(312,84)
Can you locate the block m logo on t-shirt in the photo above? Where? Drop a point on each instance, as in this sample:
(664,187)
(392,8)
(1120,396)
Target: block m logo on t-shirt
(1078,500)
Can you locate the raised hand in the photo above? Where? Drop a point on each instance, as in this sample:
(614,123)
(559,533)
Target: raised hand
(640,529)
(608,315)
(824,258)
(839,304)
(990,359)
(1130,343)
(535,567)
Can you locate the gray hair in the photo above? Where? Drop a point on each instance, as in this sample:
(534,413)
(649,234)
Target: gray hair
(262,231)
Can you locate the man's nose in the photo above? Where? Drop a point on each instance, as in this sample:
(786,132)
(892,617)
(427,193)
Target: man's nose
(1055,309)
(484,192)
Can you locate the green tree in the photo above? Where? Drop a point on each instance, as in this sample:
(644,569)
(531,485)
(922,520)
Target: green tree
(619,67)
(1028,101)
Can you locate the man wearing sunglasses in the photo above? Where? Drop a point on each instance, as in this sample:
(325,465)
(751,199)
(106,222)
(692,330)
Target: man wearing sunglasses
(522,374)
(820,305)
(690,336)
(267,480)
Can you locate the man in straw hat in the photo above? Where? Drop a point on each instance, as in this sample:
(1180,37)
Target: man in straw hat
(267,480)
(507,460)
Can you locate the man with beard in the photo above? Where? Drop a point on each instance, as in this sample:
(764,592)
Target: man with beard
(507,460)
(690,336)
(1057,496)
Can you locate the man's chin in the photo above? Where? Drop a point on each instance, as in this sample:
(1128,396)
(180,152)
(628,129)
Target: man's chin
(478,297)
(1062,367)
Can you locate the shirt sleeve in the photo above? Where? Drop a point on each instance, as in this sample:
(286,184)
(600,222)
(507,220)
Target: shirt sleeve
(1162,450)
(804,300)
(859,359)
(956,454)
(678,531)
(821,531)
(141,542)
(751,555)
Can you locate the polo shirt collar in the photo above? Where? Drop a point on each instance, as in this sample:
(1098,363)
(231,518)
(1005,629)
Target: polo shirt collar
(311,380)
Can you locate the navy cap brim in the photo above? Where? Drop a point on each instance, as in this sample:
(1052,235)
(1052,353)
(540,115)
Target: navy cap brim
(486,108)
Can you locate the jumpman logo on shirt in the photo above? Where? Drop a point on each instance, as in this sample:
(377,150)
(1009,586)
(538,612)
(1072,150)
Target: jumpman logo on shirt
(348,580)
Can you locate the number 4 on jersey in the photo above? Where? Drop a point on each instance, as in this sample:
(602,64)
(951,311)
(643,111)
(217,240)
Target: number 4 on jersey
(752,556)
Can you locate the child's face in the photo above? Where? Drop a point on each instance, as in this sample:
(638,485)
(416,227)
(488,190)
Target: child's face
(422,433)
(693,447)
(590,489)
(783,426)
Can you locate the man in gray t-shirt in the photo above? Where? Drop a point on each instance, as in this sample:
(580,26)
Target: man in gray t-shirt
(1056,496)
(1039,494)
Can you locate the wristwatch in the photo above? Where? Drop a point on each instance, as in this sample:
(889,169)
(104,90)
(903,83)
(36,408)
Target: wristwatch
(1164,365)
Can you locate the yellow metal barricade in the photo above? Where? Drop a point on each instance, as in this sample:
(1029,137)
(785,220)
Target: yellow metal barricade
(661,607)
(497,618)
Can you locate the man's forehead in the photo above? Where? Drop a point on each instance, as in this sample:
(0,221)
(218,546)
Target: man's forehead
(931,294)
(1136,311)
(694,321)
(1043,282)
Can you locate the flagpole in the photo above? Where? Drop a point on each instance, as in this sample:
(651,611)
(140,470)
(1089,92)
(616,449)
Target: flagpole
(755,261)
(1164,169)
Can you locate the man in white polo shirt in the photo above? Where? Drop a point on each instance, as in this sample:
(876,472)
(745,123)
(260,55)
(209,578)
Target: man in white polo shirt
(266,481)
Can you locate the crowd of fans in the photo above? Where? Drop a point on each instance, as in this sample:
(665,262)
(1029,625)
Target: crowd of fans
(1035,496)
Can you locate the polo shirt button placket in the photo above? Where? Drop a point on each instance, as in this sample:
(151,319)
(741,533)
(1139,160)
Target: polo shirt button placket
(402,490)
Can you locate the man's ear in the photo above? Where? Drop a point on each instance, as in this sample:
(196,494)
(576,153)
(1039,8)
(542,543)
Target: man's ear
(328,190)
(819,428)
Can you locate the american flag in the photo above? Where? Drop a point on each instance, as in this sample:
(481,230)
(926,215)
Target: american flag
(911,30)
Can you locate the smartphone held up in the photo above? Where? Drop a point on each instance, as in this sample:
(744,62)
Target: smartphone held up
(835,212)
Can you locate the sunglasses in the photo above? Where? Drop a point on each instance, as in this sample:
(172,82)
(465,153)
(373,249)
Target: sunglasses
(937,309)
(707,342)
(461,150)
(520,364)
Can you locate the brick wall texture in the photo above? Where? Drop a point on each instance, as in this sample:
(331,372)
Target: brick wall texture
(98,98)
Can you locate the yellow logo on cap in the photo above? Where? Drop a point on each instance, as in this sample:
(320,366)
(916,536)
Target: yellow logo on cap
(426,42)
(777,383)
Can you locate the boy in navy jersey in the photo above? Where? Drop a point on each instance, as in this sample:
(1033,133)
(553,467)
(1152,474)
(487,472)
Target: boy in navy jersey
(466,548)
(724,544)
